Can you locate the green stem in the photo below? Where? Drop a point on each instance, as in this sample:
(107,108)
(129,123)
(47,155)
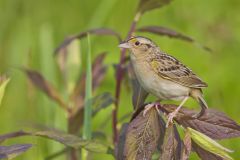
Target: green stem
(87,121)
(87,131)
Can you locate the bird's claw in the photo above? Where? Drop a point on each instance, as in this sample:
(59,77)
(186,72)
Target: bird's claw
(170,118)
(149,106)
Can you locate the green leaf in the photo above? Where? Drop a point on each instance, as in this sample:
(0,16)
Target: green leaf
(10,152)
(209,144)
(3,83)
(204,154)
(147,5)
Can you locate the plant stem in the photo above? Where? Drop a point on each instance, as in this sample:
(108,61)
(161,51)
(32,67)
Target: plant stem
(73,154)
(87,123)
(119,77)
(88,95)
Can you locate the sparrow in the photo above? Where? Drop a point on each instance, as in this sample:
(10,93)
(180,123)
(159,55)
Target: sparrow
(164,76)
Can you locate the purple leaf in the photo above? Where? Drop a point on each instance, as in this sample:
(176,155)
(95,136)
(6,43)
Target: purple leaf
(12,135)
(99,70)
(163,31)
(213,123)
(187,146)
(121,142)
(98,73)
(68,140)
(147,5)
(62,51)
(98,31)
(13,151)
(171,148)
(39,81)
(73,141)
(101,101)
(142,137)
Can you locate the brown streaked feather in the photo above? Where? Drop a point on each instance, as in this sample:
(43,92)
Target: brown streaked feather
(170,68)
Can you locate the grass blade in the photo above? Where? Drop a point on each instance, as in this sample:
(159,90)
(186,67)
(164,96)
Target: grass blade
(88,96)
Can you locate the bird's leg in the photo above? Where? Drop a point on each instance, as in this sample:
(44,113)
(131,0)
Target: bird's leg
(173,114)
(149,106)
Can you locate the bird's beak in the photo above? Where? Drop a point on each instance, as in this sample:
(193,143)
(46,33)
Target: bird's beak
(124,45)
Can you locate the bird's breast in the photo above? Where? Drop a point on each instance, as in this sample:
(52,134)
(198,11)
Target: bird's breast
(162,88)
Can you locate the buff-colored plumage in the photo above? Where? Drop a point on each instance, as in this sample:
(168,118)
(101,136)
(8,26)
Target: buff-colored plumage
(170,68)
(163,75)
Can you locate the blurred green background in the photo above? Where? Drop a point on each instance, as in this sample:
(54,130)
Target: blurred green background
(31,30)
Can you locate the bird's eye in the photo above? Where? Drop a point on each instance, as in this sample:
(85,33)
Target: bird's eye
(137,43)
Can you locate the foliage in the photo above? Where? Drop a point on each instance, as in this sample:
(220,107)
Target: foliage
(173,147)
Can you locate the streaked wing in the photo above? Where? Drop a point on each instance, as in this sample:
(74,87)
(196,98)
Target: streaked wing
(170,68)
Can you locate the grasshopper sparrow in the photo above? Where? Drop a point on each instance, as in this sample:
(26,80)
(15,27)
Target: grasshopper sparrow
(163,75)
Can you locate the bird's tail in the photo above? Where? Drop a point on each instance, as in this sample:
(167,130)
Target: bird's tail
(198,96)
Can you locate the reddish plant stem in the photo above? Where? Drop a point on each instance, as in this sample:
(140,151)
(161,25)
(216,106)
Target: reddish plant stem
(73,154)
(119,77)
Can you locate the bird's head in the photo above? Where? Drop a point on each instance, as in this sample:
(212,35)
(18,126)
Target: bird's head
(139,46)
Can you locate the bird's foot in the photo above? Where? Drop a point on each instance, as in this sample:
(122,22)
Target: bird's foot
(149,106)
(170,118)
